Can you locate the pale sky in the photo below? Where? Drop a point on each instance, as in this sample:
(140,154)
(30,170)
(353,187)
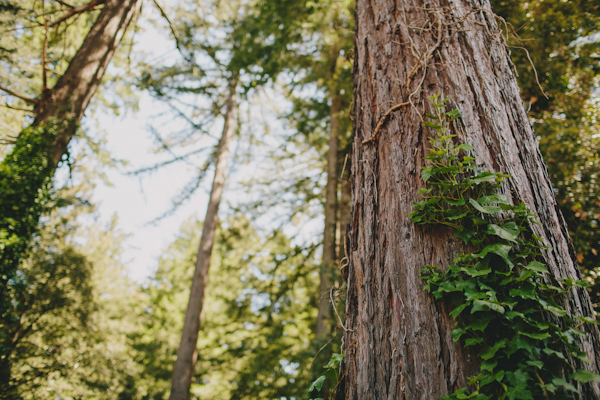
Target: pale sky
(139,200)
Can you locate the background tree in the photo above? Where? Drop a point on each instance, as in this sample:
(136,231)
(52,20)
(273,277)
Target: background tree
(323,119)
(64,335)
(27,171)
(249,55)
(256,316)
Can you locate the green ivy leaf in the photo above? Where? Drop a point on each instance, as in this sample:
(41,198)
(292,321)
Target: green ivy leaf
(481,323)
(554,353)
(490,351)
(499,249)
(460,202)
(520,342)
(485,209)
(432,125)
(562,382)
(537,336)
(536,364)
(335,360)
(584,376)
(558,311)
(426,174)
(481,178)
(317,384)
(455,313)
(503,233)
(536,266)
(489,365)
(484,305)
(464,146)
(494,198)
(523,293)
(473,342)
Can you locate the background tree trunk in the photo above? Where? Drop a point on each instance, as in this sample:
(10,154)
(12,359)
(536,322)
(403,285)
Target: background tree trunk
(67,101)
(400,345)
(187,353)
(31,164)
(323,327)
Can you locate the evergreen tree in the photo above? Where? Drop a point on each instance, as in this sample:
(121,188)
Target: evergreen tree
(248,54)
(256,318)
(64,335)
(26,171)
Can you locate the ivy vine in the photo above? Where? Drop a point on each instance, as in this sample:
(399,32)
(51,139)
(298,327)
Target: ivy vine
(25,181)
(506,305)
(330,373)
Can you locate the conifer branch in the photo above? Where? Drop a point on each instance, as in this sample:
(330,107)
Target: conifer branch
(6,105)
(77,10)
(24,98)
(175,36)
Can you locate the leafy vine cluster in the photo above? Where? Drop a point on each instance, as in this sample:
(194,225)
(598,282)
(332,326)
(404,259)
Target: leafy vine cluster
(24,173)
(506,305)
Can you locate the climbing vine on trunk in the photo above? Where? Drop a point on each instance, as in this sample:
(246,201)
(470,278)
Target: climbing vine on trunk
(505,303)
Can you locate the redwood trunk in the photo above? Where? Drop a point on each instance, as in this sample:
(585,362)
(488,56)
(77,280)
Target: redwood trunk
(329,234)
(187,353)
(399,344)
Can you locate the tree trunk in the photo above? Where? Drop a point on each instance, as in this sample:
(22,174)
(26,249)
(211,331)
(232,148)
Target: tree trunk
(28,169)
(187,353)
(72,93)
(329,235)
(399,344)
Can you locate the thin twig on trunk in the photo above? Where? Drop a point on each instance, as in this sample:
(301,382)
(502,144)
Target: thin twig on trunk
(24,98)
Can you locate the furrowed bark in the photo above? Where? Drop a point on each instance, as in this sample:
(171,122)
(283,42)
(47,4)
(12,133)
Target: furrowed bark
(323,327)
(400,346)
(187,353)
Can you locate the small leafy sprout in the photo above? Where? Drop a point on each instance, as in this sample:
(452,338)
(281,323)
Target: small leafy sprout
(330,373)
(500,293)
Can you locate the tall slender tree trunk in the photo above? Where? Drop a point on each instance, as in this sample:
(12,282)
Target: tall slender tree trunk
(32,162)
(72,93)
(187,353)
(323,327)
(399,345)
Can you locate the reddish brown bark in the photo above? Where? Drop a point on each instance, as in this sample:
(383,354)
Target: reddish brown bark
(329,235)
(187,353)
(399,346)
(67,101)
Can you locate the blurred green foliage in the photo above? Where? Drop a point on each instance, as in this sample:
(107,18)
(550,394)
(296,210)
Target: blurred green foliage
(63,334)
(257,318)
